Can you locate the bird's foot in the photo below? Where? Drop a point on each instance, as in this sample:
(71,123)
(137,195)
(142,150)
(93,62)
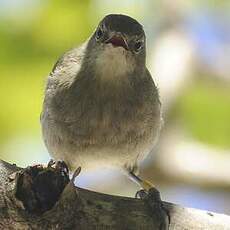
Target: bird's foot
(60,166)
(151,192)
(39,187)
(156,207)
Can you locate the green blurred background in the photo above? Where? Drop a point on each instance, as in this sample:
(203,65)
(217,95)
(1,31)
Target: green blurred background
(188,52)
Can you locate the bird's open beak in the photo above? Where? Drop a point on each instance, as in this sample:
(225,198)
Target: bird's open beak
(118,40)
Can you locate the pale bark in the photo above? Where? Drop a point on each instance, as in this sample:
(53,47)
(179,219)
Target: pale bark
(77,208)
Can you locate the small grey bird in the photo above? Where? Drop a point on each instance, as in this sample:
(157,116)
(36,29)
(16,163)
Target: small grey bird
(101,106)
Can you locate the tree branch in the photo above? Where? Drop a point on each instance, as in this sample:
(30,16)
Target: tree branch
(43,198)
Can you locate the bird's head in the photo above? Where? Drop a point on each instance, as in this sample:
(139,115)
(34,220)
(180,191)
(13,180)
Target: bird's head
(118,45)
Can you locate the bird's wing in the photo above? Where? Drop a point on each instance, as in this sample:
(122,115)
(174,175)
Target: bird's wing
(156,90)
(63,74)
(66,68)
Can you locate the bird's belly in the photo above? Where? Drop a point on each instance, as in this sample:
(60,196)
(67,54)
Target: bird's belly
(111,133)
(100,143)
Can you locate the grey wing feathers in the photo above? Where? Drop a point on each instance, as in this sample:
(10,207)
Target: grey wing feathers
(156,91)
(71,60)
(58,63)
(62,76)
(66,68)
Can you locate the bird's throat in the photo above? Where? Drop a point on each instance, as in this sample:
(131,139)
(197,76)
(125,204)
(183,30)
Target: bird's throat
(114,63)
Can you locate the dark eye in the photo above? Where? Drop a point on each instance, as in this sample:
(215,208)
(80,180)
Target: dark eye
(138,46)
(99,33)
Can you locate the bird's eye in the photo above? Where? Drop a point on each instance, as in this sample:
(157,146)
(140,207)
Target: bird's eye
(99,33)
(138,46)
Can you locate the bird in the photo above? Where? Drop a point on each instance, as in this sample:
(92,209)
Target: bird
(101,106)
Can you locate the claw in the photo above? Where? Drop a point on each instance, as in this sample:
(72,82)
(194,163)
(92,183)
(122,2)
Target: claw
(141,194)
(62,166)
(51,163)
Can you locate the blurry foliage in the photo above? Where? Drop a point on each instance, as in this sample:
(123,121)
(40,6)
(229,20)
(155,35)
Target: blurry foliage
(29,47)
(204,110)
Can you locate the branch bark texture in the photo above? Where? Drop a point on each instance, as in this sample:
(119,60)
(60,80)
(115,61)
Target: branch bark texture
(44,198)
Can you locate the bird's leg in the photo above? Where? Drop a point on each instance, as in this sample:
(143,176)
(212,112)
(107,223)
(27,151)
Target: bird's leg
(151,196)
(147,187)
(144,184)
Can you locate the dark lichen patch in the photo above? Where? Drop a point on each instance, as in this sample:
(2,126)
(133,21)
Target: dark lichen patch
(39,187)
